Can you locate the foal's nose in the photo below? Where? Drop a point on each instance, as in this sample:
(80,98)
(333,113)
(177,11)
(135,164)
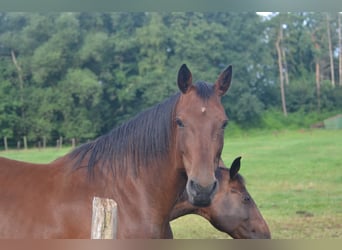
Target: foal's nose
(199,195)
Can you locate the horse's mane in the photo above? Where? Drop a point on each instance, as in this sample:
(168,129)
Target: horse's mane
(140,142)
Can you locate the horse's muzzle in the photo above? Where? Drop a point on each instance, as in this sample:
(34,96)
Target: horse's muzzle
(201,196)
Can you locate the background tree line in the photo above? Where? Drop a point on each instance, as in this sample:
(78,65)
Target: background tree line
(77,75)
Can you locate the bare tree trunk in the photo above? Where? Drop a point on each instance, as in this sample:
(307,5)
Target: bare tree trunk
(340,49)
(286,74)
(280,65)
(21,83)
(16,64)
(330,52)
(318,87)
(317,72)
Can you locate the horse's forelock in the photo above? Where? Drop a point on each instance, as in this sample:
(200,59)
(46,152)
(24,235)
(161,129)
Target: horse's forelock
(204,90)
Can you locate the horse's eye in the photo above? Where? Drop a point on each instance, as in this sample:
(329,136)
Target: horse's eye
(179,123)
(224,125)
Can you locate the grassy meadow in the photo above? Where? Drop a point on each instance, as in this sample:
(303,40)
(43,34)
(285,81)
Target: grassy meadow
(295,177)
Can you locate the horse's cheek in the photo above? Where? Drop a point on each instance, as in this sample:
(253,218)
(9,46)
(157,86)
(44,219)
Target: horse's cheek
(181,141)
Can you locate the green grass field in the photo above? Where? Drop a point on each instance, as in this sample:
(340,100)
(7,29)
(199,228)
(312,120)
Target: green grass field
(295,177)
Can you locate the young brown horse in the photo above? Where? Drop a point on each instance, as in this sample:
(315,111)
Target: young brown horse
(232,210)
(141,165)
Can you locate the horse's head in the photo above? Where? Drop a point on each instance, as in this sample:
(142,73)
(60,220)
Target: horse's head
(200,120)
(233,210)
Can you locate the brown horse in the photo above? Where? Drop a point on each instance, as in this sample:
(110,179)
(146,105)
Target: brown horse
(140,164)
(232,210)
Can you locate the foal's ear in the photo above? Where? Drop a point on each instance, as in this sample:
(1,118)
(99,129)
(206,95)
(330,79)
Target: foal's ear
(235,167)
(223,81)
(184,79)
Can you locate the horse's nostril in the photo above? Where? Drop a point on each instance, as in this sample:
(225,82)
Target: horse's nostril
(192,184)
(194,187)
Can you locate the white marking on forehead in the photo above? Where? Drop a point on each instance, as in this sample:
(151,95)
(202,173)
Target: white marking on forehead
(203,109)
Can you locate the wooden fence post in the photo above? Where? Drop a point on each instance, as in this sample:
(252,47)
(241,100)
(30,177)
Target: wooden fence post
(60,142)
(5,143)
(104,219)
(25,142)
(73,143)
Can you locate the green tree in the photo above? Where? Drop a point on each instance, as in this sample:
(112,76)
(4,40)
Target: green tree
(79,95)
(77,75)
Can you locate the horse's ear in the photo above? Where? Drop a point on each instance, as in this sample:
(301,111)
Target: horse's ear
(235,167)
(223,81)
(184,79)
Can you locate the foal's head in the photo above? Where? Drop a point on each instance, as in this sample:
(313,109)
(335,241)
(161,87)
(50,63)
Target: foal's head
(200,120)
(233,210)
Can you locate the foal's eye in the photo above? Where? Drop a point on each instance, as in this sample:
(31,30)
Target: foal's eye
(179,123)
(246,198)
(224,125)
